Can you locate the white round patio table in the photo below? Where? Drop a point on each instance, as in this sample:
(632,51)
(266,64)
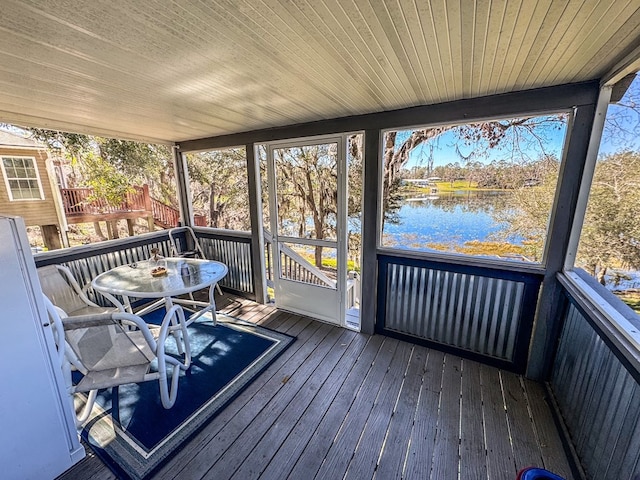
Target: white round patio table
(184,276)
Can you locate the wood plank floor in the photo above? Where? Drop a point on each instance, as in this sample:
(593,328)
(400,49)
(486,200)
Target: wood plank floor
(339,404)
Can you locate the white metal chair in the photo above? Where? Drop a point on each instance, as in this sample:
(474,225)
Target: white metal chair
(191,249)
(61,287)
(108,352)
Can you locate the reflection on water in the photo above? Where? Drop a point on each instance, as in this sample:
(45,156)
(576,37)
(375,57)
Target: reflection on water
(448,218)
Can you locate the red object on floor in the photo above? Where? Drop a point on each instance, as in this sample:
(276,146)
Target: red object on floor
(532,473)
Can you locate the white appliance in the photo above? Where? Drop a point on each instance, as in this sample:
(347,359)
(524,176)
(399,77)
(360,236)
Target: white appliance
(38,439)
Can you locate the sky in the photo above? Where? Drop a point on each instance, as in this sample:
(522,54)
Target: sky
(443,148)
(448,148)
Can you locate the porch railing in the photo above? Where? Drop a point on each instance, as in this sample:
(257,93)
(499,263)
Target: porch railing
(297,268)
(596,385)
(234,250)
(88,261)
(294,266)
(479,312)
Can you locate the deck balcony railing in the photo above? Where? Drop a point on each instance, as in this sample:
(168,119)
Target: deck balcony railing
(80,206)
(81,202)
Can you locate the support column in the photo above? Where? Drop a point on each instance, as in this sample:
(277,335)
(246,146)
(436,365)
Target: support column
(370,230)
(50,237)
(112,229)
(257,232)
(547,326)
(182,184)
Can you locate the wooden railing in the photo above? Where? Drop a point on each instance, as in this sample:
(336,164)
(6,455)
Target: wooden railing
(297,268)
(164,215)
(80,207)
(80,202)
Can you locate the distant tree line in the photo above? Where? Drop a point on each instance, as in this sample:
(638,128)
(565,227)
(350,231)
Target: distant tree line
(498,174)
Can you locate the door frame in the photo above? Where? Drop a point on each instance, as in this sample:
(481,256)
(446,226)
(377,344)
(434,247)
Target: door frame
(300,292)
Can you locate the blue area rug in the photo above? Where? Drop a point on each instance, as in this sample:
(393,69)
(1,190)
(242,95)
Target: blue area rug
(132,432)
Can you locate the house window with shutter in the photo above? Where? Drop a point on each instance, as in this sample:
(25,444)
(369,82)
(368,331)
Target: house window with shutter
(21,178)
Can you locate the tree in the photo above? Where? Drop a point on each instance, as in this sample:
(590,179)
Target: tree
(306,183)
(219,185)
(527,215)
(106,181)
(611,232)
(89,156)
(518,136)
(142,163)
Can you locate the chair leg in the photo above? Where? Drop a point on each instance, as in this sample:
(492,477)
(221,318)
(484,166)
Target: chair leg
(86,411)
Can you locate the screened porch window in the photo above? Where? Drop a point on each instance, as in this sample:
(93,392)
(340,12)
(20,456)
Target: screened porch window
(22,179)
(219,188)
(482,189)
(609,246)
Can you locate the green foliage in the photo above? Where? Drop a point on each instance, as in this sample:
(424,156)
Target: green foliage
(611,232)
(142,163)
(73,145)
(631,298)
(219,187)
(107,182)
(332,264)
(531,206)
(105,164)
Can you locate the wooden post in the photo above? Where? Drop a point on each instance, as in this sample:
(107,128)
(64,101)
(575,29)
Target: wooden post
(112,229)
(370,229)
(50,237)
(130,223)
(257,235)
(147,200)
(98,230)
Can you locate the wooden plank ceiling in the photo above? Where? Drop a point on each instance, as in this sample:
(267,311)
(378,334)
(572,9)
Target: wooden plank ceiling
(185,69)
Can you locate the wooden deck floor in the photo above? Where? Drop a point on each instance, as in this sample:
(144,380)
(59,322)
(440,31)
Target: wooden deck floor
(339,404)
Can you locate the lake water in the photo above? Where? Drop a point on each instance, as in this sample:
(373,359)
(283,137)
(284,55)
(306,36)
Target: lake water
(450,219)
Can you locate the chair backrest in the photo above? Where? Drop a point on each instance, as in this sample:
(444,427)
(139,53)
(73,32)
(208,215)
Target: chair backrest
(191,249)
(59,290)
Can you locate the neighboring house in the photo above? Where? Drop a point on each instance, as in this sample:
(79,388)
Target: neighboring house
(28,188)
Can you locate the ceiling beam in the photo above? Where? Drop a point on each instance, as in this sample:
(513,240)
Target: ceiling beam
(526,102)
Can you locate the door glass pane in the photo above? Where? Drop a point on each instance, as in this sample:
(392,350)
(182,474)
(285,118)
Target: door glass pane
(306,190)
(308,264)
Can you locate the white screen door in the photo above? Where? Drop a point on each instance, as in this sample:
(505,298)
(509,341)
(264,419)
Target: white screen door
(307,193)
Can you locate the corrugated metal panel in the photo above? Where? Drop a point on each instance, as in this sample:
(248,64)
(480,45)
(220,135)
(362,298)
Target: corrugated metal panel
(599,401)
(185,69)
(471,312)
(87,268)
(236,256)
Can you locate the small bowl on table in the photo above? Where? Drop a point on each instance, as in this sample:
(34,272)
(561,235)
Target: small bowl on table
(158,271)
